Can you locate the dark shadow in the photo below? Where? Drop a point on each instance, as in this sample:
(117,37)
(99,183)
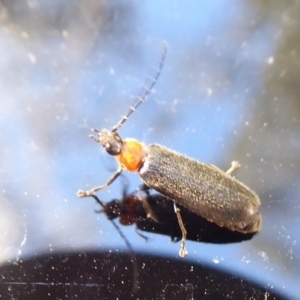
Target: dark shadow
(106,275)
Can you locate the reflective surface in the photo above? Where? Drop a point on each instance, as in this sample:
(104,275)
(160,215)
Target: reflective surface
(229,91)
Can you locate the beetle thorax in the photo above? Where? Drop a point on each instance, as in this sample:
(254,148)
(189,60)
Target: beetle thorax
(131,156)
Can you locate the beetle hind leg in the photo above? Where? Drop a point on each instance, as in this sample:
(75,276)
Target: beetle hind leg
(234,165)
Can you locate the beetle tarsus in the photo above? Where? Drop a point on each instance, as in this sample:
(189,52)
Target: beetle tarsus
(82,194)
(89,193)
(94,138)
(234,165)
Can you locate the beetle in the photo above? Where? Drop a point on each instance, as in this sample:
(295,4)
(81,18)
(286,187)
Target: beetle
(202,188)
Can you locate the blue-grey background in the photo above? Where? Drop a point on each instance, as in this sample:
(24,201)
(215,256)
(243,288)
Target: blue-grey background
(229,90)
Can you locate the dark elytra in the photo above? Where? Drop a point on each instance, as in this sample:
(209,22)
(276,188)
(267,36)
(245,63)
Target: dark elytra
(204,189)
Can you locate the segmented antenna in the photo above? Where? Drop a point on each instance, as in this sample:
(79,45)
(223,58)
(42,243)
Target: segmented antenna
(142,98)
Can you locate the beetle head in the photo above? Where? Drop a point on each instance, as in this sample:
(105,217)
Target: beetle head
(110,141)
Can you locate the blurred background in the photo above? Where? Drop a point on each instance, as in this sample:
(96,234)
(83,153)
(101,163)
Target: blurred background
(229,90)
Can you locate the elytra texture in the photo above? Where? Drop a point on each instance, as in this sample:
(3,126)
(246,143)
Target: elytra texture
(202,188)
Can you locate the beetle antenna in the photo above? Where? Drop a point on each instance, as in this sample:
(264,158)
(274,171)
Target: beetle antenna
(142,98)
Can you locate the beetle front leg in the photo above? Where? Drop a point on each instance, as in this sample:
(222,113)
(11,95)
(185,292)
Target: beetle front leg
(82,193)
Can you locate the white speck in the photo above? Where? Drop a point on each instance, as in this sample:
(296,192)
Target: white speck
(24,35)
(245,260)
(112,71)
(65,33)
(216,261)
(145,167)
(32,58)
(32,4)
(270,60)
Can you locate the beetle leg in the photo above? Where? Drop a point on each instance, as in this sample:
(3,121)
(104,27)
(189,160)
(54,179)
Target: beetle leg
(234,165)
(182,252)
(82,193)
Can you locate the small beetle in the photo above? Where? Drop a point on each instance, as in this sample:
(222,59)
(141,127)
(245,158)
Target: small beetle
(202,188)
